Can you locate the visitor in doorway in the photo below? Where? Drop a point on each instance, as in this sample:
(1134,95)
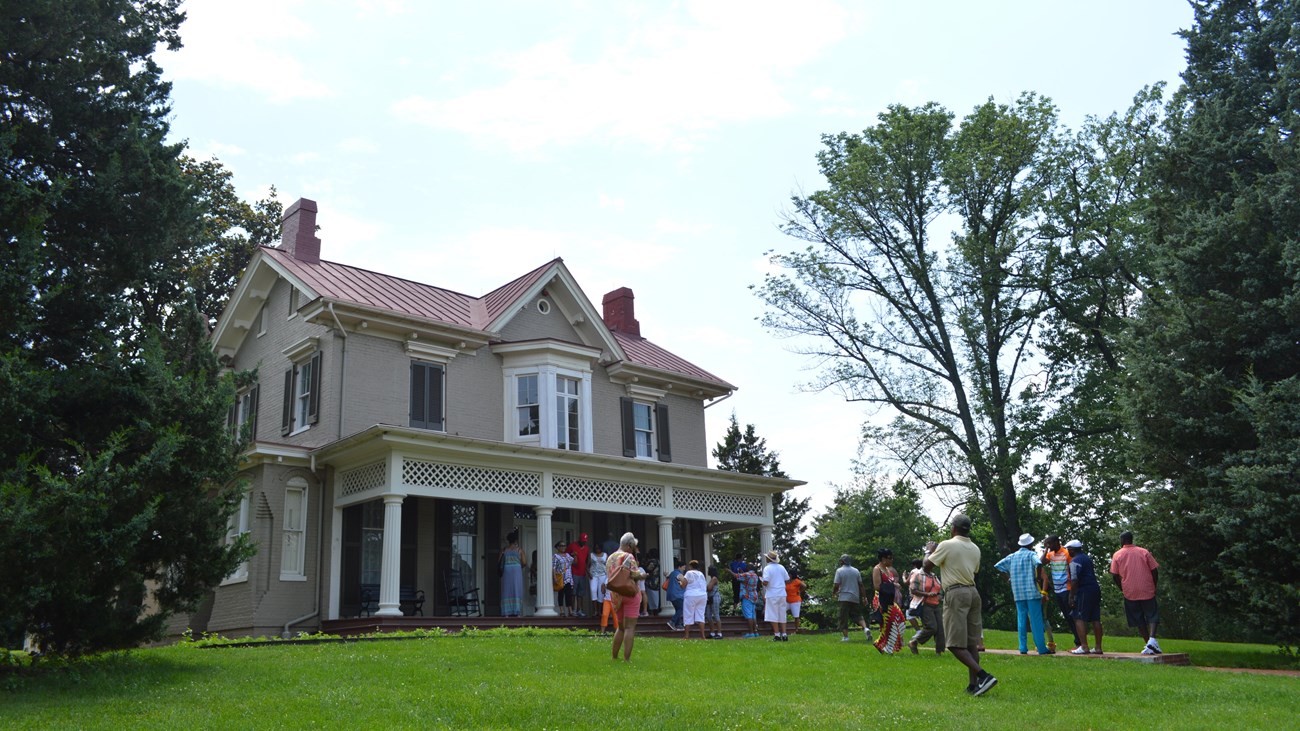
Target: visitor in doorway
(625,608)
(562,569)
(673,588)
(713,610)
(580,552)
(510,565)
(695,595)
(650,596)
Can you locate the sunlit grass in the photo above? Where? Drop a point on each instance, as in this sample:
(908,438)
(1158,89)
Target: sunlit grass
(534,682)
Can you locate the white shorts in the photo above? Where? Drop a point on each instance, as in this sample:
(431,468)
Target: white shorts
(774,609)
(693,609)
(794,609)
(598,593)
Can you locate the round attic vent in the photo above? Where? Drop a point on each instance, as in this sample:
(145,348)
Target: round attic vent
(544,306)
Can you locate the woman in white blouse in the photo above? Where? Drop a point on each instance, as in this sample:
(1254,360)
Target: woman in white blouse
(694,599)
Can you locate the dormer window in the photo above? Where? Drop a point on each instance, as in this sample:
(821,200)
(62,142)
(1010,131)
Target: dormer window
(548,393)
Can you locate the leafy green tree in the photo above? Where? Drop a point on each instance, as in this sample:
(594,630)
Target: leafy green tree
(1214,369)
(745,451)
(115,467)
(861,520)
(937,329)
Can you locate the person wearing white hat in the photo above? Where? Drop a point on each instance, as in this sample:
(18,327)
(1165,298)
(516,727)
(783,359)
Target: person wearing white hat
(1085,598)
(774,604)
(1021,567)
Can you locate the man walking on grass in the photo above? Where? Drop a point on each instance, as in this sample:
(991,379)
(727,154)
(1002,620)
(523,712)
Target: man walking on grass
(1021,568)
(848,591)
(1136,573)
(958,558)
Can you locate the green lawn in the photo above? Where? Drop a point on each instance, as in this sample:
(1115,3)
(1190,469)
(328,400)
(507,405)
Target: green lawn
(533,682)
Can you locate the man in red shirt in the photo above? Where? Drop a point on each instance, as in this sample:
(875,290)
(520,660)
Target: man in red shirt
(1136,573)
(580,552)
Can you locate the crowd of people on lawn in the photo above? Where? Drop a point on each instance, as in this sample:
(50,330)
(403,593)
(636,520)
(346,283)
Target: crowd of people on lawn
(947,611)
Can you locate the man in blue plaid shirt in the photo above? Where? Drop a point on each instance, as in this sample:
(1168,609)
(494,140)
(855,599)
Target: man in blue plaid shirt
(1022,568)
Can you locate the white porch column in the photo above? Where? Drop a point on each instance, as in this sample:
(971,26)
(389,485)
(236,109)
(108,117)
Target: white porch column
(390,595)
(708,550)
(666,563)
(545,552)
(765,539)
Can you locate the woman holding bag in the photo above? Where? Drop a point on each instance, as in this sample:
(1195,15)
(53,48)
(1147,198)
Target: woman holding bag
(622,570)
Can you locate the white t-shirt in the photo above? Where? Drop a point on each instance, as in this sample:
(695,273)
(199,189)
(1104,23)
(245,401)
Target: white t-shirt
(696,584)
(775,575)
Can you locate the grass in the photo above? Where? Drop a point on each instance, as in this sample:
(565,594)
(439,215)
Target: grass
(499,680)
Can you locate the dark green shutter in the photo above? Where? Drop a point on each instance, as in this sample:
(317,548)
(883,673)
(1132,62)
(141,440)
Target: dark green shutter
(313,403)
(286,420)
(426,396)
(252,417)
(435,391)
(661,433)
(629,426)
(418,380)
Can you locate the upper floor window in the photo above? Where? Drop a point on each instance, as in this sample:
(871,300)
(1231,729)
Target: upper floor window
(301,395)
(568,413)
(427,389)
(242,417)
(528,406)
(645,430)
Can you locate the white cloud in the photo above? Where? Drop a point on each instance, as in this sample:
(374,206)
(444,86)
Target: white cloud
(363,145)
(665,80)
(240,44)
(607,201)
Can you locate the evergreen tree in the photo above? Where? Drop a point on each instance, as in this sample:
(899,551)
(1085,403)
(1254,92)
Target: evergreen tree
(1214,371)
(115,465)
(745,451)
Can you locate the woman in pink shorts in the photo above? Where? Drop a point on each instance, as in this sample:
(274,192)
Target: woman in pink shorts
(626,607)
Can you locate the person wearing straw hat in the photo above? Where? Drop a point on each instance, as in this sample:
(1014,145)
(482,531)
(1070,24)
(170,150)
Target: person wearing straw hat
(1021,568)
(963,621)
(774,605)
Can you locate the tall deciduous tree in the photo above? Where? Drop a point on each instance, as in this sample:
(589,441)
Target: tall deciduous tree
(939,329)
(113,450)
(745,451)
(1215,365)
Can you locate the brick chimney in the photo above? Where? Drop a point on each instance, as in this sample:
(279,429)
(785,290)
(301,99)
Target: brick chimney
(298,231)
(619,314)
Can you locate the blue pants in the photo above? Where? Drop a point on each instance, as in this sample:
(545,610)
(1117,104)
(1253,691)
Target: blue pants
(677,611)
(1033,610)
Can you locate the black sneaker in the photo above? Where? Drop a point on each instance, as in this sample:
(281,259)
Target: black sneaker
(983,683)
(970,689)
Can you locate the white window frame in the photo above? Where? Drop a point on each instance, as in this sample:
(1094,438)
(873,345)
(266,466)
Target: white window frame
(551,367)
(261,321)
(293,302)
(237,526)
(293,556)
(652,447)
(564,399)
(302,377)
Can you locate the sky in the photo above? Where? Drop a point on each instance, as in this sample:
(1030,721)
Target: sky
(652,145)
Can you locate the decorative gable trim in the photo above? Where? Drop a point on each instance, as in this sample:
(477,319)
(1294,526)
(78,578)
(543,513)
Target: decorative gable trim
(547,352)
(574,305)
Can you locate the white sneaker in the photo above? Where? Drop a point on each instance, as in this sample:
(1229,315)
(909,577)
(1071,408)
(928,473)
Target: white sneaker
(844,639)
(1080,650)
(1154,646)
(1148,651)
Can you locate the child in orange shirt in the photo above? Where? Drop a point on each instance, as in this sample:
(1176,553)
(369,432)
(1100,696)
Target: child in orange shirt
(794,597)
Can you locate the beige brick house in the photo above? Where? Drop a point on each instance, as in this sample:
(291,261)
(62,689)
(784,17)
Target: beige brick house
(400,430)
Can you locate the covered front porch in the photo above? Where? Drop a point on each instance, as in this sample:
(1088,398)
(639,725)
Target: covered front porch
(416,511)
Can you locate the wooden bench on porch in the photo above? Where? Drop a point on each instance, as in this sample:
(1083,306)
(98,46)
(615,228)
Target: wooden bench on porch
(409,596)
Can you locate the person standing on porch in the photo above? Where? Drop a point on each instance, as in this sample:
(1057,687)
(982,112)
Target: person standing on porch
(599,594)
(580,552)
(625,608)
(511,564)
(695,596)
(650,599)
(562,569)
(673,586)
(713,610)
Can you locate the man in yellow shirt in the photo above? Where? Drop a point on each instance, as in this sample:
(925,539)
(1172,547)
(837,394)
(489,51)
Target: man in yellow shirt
(958,558)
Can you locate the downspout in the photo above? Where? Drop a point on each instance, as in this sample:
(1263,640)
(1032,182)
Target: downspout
(320,528)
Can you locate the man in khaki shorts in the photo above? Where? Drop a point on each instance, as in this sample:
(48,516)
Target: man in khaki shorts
(959,560)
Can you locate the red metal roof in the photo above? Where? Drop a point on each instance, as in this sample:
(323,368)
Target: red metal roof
(344,283)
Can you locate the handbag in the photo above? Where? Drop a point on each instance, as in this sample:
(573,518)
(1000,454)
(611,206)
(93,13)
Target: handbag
(558,581)
(620,582)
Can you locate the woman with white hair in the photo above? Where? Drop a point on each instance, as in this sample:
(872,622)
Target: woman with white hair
(626,608)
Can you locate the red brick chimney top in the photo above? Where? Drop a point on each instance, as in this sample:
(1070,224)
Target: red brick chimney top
(619,314)
(298,231)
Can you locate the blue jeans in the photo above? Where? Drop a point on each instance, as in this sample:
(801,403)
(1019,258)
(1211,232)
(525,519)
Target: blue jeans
(677,611)
(1033,610)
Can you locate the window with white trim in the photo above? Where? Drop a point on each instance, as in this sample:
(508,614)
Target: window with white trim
(236,526)
(645,430)
(301,395)
(242,418)
(527,407)
(293,564)
(568,413)
(643,427)
(261,321)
